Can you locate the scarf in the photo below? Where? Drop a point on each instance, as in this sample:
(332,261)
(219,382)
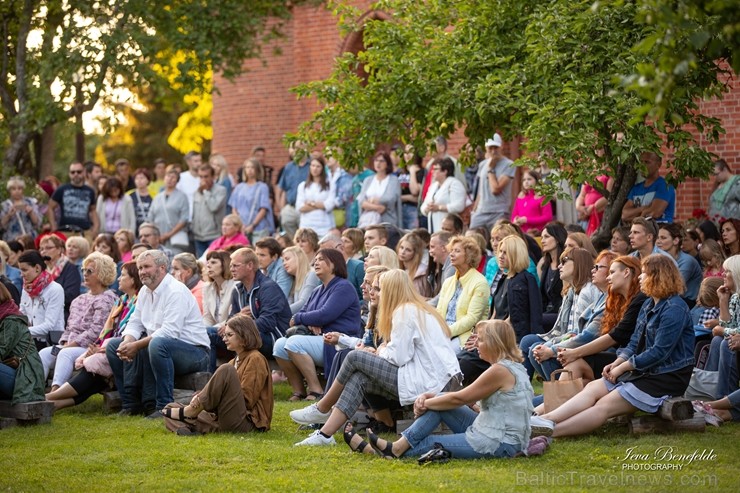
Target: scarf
(193,281)
(37,285)
(8,309)
(119,316)
(56,270)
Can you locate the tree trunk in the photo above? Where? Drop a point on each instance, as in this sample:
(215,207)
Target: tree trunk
(623,182)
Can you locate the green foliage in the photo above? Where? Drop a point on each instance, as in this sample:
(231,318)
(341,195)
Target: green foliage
(85,450)
(687,35)
(549,71)
(60,57)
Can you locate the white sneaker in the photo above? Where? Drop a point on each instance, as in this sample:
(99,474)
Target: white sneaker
(541,426)
(316,439)
(309,415)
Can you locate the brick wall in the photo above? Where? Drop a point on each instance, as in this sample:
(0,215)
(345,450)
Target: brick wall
(258,108)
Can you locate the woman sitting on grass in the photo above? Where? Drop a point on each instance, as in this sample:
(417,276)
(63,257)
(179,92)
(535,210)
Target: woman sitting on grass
(238,397)
(416,356)
(504,399)
(95,374)
(656,364)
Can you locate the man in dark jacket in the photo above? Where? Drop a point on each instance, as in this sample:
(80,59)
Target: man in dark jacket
(256,296)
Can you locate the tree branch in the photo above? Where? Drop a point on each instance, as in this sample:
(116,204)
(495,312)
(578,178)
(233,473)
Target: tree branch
(5,97)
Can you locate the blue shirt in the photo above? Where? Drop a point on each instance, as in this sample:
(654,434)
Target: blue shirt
(642,195)
(691,273)
(292,176)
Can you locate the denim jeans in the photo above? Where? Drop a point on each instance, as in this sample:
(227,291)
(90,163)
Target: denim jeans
(410,214)
(169,357)
(134,380)
(201,247)
(7,381)
(217,344)
(544,368)
(528,342)
(151,376)
(458,420)
(728,371)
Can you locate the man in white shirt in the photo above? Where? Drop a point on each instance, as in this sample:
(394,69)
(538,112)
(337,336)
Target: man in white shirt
(189,179)
(164,337)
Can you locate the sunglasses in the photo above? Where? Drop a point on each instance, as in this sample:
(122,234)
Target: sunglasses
(76,172)
(564,260)
(88,272)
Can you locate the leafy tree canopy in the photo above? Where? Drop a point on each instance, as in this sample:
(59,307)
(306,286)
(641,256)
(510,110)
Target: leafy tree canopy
(550,71)
(59,56)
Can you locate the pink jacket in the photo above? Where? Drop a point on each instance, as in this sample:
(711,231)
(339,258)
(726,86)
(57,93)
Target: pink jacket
(530,206)
(223,242)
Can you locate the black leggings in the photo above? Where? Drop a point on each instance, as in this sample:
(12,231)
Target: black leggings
(86,385)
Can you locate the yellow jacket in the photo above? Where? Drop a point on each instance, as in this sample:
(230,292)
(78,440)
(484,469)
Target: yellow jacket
(472,305)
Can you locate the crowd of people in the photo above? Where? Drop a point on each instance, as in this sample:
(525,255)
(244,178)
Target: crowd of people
(366,291)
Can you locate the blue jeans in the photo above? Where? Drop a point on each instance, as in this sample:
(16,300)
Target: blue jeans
(154,368)
(546,367)
(7,381)
(728,371)
(410,213)
(217,344)
(134,380)
(201,247)
(458,420)
(529,341)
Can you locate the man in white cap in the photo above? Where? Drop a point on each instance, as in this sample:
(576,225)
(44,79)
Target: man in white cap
(495,176)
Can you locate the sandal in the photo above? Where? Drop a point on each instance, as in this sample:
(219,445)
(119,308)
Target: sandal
(177,413)
(313,396)
(296,396)
(349,434)
(385,452)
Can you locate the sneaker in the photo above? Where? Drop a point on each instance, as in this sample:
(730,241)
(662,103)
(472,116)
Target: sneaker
(316,439)
(541,426)
(309,415)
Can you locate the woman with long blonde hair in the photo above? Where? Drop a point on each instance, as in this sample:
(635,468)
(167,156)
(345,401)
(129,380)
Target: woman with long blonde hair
(410,251)
(415,357)
(298,266)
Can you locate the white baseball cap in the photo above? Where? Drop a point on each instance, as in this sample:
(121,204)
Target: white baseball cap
(495,141)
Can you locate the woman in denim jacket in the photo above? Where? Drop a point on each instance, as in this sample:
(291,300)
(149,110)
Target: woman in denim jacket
(656,364)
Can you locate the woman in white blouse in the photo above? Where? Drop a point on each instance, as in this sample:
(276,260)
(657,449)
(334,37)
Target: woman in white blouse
(316,199)
(446,194)
(217,293)
(42,300)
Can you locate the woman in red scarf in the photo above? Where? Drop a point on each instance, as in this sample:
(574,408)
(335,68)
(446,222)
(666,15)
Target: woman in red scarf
(52,247)
(42,300)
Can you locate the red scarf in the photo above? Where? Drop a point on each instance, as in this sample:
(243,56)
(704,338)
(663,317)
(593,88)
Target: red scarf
(9,308)
(37,285)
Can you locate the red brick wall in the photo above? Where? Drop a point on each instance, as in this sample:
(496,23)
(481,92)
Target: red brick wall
(258,108)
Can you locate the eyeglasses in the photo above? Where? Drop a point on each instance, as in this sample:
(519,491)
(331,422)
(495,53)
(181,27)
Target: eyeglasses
(597,267)
(235,265)
(564,260)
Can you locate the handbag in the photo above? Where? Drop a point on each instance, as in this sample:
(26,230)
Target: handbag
(298,330)
(14,361)
(703,385)
(557,392)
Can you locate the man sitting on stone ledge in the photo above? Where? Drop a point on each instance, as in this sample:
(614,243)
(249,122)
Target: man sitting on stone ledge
(165,337)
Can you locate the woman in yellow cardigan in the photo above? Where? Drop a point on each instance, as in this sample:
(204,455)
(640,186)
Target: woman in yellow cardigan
(463,299)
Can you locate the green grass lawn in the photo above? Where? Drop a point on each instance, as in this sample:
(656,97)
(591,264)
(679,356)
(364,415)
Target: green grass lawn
(84,450)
